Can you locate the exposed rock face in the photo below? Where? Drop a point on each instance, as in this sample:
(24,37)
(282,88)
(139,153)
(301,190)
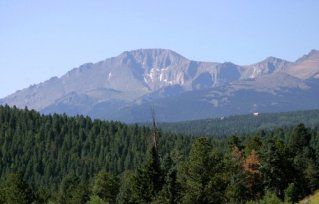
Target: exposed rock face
(124,87)
(306,67)
(268,66)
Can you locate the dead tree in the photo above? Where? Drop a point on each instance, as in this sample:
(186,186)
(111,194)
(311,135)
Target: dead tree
(154,129)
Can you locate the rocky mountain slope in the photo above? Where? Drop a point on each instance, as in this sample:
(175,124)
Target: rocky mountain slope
(125,87)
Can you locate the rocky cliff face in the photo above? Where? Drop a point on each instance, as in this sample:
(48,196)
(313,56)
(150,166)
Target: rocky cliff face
(306,67)
(120,87)
(268,66)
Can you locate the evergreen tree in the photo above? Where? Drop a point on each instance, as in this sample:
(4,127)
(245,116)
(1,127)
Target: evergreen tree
(127,192)
(72,190)
(270,198)
(42,195)
(202,174)
(105,186)
(201,170)
(237,188)
(276,168)
(291,194)
(94,199)
(300,138)
(16,190)
(149,178)
(171,192)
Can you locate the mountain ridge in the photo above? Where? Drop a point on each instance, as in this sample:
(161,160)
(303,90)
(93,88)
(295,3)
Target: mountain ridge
(143,75)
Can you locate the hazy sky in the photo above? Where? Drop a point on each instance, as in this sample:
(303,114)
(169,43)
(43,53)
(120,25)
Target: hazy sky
(41,39)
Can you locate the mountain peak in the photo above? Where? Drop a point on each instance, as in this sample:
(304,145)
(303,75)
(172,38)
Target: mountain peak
(307,66)
(110,86)
(267,66)
(152,52)
(313,54)
(272,59)
(150,58)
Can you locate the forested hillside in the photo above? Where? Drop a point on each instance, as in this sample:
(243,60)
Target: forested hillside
(46,148)
(60,159)
(241,124)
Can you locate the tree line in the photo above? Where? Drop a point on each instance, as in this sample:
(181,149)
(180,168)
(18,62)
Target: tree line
(60,159)
(242,124)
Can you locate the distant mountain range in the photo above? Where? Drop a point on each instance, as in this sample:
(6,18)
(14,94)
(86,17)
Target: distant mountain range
(126,87)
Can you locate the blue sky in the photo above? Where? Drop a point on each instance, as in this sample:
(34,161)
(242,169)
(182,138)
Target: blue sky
(41,39)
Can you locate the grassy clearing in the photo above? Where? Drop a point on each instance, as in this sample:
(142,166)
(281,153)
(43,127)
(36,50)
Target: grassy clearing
(313,199)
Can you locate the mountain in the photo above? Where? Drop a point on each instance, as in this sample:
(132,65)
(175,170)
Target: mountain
(125,87)
(306,67)
(268,66)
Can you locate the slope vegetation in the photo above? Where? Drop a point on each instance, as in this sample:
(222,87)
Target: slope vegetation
(242,124)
